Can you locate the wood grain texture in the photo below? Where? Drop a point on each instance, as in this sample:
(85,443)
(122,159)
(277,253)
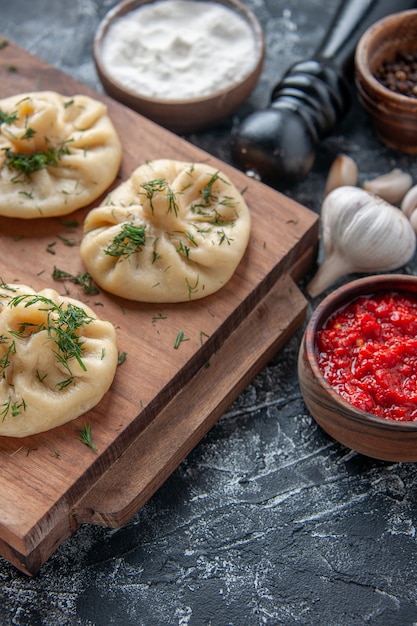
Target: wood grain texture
(45,475)
(180,425)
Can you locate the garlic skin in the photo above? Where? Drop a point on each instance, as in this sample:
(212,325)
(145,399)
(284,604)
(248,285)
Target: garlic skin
(409,202)
(343,171)
(392,186)
(413,220)
(361,233)
(409,206)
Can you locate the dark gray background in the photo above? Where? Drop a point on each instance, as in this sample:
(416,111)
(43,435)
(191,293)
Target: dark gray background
(268,521)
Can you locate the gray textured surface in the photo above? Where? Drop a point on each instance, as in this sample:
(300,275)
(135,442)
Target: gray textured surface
(268,521)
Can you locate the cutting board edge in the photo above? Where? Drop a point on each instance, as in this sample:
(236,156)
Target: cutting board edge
(244,372)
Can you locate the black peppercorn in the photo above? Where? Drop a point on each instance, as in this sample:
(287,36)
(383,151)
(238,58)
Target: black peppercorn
(400,74)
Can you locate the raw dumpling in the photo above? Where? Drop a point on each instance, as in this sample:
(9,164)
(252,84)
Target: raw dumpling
(172,232)
(57,153)
(57,359)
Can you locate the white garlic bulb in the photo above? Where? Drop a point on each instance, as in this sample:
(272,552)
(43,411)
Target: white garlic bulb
(392,186)
(361,232)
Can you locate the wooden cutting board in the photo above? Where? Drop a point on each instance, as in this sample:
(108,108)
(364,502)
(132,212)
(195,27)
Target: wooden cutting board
(163,399)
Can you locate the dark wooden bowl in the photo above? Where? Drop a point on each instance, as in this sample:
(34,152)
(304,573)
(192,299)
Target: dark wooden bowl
(393,115)
(182,116)
(368,434)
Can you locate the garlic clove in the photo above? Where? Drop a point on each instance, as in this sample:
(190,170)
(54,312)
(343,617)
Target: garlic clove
(392,187)
(361,233)
(413,220)
(333,267)
(409,202)
(343,171)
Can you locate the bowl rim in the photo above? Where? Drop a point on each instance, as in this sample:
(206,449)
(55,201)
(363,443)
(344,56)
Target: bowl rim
(333,302)
(126,6)
(363,72)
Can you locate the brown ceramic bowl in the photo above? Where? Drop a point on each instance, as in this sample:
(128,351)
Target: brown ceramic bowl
(393,115)
(193,114)
(368,434)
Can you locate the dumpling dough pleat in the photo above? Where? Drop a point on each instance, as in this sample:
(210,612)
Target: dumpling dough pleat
(57,360)
(70,139)
(174,231)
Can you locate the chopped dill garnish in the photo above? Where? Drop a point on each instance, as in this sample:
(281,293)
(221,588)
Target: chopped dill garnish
(223,237)
(66,241)
(86,437)
(61,324)
(83,279)
(160,185)
(69,223)
(14,408)
(182,249)
(206,193)
(28,194)
(5,360)
(191,238)
(179,339)
(5,118)
(130,240)
(121,358)
(158,317)
(192,288)
(6,287)
(26,164)
(39,377)
(29,133)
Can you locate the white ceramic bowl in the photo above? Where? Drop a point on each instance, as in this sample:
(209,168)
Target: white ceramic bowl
(191,114)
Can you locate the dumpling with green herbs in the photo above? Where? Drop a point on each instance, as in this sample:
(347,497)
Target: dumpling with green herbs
(57,359)
(57,153)
(173,232)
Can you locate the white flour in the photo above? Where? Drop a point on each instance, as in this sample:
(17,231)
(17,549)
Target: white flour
(179,49)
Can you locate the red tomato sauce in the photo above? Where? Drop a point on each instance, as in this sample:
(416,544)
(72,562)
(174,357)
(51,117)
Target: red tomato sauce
(367,351)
